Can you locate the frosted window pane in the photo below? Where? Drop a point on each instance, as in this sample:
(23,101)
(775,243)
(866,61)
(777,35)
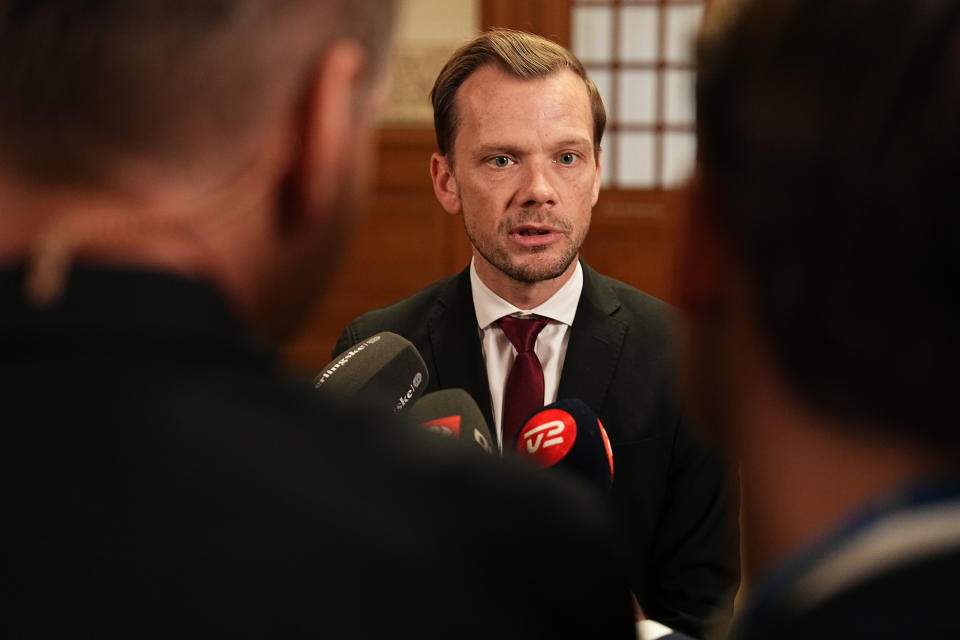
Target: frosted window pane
(638,97)
(606,158)
(678,97)
(679,155)
(592,33)
(635,161)
(603,79)
(638,34)
(682,25)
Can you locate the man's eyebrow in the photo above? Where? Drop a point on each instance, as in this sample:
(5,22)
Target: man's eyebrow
(574,142)
(486,150)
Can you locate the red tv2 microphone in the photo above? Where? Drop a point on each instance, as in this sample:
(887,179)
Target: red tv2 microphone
(568,435)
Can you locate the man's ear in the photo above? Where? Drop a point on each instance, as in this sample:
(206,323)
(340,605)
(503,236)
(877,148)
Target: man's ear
(445,184)
(326,134)
(702,254)
(597,178)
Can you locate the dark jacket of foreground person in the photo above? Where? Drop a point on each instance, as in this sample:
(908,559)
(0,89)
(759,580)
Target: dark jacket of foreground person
(164,479)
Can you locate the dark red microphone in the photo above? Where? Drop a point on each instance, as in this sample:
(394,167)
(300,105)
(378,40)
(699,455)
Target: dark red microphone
(454,413)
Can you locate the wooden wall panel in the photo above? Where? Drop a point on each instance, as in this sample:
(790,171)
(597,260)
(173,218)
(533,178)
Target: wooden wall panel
(550,18)
(633,237)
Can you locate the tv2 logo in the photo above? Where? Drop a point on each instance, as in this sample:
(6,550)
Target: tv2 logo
(544,436)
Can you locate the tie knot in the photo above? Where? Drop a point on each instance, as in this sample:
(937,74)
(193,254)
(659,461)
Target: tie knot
(522,332)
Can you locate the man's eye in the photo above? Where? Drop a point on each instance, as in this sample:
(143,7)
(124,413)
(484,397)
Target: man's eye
(501,162)
(568,158)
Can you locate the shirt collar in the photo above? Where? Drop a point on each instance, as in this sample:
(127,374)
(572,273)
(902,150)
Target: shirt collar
(560,307)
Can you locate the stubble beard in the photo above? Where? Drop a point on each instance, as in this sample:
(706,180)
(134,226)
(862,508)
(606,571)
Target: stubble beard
(500,258)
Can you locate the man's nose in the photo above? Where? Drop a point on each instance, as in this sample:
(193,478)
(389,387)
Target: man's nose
(537,188)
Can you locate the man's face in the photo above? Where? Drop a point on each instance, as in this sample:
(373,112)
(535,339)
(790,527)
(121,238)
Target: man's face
(524,174)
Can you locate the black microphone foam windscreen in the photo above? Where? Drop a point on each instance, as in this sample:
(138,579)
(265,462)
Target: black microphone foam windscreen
(384,370)
(568,435)
(452,412)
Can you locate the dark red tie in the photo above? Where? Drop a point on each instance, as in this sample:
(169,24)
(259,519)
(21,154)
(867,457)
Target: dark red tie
(524,391)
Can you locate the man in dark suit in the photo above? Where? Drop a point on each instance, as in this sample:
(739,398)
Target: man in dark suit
(174,179)
(821,343)
(519,127)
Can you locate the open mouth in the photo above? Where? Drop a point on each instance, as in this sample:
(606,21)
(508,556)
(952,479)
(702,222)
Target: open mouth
(533,237)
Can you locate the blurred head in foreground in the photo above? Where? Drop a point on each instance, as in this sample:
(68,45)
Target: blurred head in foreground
(819,269)
(228,139)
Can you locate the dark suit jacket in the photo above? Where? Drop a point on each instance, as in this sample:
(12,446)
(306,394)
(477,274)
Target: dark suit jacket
(162,478)
(670,495)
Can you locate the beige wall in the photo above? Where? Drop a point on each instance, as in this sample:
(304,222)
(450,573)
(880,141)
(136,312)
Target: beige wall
(438,20)
(428,32)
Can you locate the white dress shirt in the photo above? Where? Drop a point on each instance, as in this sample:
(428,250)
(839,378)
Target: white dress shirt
(551,346)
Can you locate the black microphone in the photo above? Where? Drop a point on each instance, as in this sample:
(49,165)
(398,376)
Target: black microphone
(454,413)
(568,435)
(386,370)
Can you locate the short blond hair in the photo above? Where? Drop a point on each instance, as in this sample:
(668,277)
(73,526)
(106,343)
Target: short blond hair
(520,54)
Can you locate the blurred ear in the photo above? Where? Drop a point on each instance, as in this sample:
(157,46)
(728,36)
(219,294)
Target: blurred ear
(445,184)
(702,254)
(329,131)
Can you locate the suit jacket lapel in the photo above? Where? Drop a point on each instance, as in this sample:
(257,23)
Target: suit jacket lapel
(596,340)
(455,342)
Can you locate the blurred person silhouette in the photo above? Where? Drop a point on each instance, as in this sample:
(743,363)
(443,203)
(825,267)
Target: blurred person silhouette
(820,345)
(175,181)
